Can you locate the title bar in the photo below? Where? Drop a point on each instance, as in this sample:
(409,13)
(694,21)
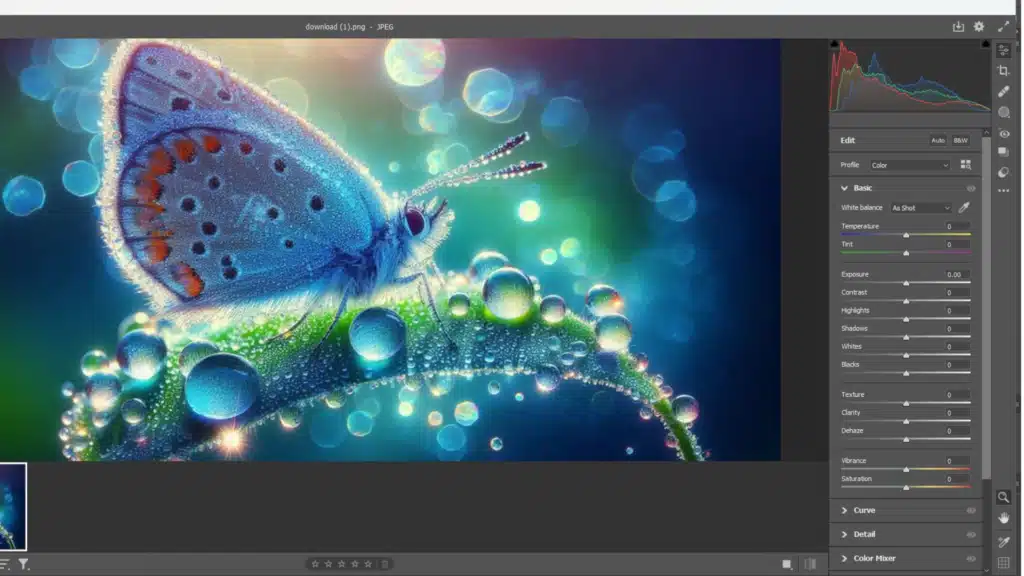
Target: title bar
(519,7)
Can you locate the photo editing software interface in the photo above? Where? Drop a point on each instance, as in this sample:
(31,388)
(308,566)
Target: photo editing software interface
(689,320)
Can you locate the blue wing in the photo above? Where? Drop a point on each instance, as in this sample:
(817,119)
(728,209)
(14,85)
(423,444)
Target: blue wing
(216,194)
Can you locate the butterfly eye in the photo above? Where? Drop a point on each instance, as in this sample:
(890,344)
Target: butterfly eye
(415,222)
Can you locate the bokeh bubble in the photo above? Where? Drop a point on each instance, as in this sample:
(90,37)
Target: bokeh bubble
(553,309)
(406,409)
(466,413)
(359,423)
(674,140)
(676,201)
(291,93)
(23,195)
(95,150)
(564,121)
(102,390)
(414,98)
(435,419)
(67,389)
(529,210)
(519,396)
(414,62)
(435,162)
(570,248)
(81,178)
(94,361)
(508,293)
(377,334)
(327,428)
(65,106)
(89,111)
(548,256)
(488,92)
(366,400)
(484,263)
(613,332)
(682,253)
(222,386)
(629,450)
(647,126)
(456,155)
(451,438)
(547,378)
(458,304)
(141,354)
(497,444)
(394,167)
(653,168)
(603,299)
(133,411)
(433,118)
(193,353)
(76,53)
(685,408)
(39,82)
(493,388)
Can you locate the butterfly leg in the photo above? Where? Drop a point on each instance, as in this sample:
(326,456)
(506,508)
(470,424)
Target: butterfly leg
(433,308)
(321,291)
(337,316)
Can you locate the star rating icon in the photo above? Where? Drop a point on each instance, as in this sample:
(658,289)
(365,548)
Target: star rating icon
(316,564)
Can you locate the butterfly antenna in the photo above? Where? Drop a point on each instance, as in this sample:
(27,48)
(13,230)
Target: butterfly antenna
(463,175)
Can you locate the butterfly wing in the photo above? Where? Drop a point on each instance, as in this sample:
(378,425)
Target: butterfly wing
(214,193)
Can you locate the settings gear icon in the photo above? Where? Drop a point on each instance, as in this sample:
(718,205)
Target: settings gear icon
(979,26)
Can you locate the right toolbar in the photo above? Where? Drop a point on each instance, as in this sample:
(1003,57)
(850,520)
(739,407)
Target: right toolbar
(924,278)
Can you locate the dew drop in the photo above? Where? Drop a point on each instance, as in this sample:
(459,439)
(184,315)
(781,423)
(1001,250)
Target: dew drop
(508,293)
(133,411)
(458,304)
(141,354)
(685,408)
(222,386)
(552,309)
(613,332)
(192,353)
(377,334)
(602,299)
(102,390)
(548,378)
(94,361)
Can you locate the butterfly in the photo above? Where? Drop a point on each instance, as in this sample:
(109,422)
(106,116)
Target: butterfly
(219,201)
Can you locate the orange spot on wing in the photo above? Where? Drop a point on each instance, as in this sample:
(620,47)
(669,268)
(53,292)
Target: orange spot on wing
(160,162)
(157,250)
(148,189)
(185,149)
(189,279)
(211,144)
(146,214)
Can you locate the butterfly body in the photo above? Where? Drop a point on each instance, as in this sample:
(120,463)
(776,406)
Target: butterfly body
(218,199)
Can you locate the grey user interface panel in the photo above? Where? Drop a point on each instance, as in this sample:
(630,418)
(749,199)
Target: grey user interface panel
(924,198)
